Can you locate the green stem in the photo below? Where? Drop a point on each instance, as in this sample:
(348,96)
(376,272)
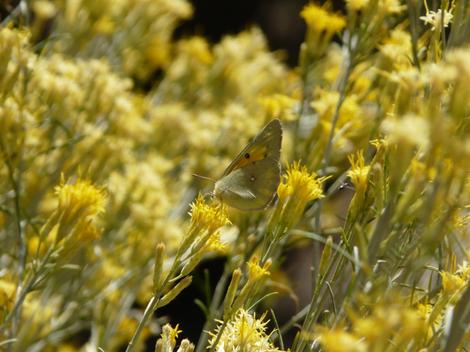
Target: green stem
(145,318)
(214,308)
(153,303)
(219,335)
(26,288)
(329,146)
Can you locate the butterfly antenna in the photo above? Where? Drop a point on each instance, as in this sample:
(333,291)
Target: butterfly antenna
(204,178)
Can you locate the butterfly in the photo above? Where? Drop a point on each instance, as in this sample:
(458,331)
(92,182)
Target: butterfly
(251,180)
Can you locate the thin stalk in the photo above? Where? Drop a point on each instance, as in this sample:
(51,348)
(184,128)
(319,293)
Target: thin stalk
(329,146)
(149,310)
(219,335)
(27,287)
(318,297)
(342,96)
(153,303)
(414,32)
(300,113)
(214,308)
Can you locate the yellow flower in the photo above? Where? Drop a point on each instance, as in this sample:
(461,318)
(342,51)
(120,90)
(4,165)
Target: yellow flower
(168,337)
(7,294)
(305,186)
(256,272)
(397,47)
(410,129)
(396,322)
(206,216)
(298,187)
(44,9)
(359,171)
(356,5)
(196,48)
(390,6)
(105,25)
(336,340)
(243,333)
(215,245)
(283,191)
(451,283)
(279,106)
(82,198)
(319,19)
(425,312)
(79,204)
(351,120)
(413,325)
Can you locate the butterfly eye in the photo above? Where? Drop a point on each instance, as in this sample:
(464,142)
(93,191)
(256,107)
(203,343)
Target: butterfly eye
(247,155)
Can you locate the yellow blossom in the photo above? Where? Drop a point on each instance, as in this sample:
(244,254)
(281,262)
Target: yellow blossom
(397,47)
(425,311)
(336,340)
(351,119)
(283,191)
(413,325)
(319,19)
(356,5)
(215,245)
(256,272)
(169,336)
(457,61)
(7,295)
(196,48)
(80,197)
(104,25)
(359,171)
(303,185)
(243,333)
(208,216)
(411,129)
(451,283)
(297,188)
(390,6)
(279,106)
(44,9)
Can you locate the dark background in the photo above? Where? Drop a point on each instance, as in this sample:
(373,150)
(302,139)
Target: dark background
(279,20)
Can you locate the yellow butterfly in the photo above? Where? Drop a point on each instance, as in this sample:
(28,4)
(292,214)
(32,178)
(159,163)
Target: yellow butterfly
(251,180)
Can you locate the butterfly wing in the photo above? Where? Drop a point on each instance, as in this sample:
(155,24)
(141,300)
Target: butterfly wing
(267,144)
(251,187)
